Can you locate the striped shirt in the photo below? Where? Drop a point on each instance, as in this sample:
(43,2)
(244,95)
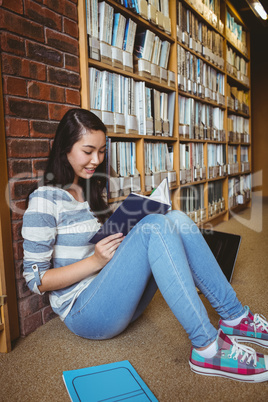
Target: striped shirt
(56,232)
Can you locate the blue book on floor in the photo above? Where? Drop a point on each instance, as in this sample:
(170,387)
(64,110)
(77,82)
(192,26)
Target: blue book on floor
(109,382)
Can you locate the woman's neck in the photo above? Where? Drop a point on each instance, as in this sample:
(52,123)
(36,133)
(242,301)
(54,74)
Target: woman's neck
(77,192)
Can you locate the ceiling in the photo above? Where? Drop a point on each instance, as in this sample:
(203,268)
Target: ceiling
(254,23)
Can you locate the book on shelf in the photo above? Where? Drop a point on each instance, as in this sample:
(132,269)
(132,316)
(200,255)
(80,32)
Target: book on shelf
(114,381)
(122,170)
(158,164)
(133,209)
(192,202)
(129,36)
(216,202)
(192,166)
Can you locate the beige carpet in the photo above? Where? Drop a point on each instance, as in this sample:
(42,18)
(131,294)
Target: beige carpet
(156,345)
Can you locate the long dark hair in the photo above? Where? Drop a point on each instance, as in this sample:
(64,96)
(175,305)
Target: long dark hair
(60,173)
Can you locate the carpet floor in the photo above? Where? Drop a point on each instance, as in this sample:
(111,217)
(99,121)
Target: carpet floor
(156,345)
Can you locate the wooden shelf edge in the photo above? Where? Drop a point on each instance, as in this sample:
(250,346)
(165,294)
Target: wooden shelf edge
(218,216)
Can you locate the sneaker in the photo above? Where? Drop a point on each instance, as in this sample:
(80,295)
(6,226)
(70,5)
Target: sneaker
(232,360)
(252,329)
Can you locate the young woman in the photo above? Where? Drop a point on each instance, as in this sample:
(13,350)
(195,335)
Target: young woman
(98,290)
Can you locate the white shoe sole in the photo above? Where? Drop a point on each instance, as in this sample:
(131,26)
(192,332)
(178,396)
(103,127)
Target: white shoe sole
(238,377)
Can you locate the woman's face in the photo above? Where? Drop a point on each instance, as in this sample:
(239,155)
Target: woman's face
(87,154)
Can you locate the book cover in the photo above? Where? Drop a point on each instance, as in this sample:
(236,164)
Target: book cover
(139,44)
(112,382)
(133,209)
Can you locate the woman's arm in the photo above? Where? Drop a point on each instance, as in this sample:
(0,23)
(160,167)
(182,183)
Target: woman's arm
(58,278)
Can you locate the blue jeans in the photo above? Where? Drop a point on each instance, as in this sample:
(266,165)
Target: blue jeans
(165,252)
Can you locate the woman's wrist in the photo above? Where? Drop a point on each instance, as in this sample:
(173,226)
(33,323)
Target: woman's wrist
(95,263)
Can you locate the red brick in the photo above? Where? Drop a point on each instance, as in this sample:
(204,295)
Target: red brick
(17,250)
(44,54)
(61,42)
(26,148)
(15,86)
(48,314)
(12,44)
(63,7)
(43,128)
(21,189)
(21,168)
(18,269)
(39,166)
(22,289)
(70,27)
(63,77)
(42,15)
(30,324)
(17,24)
(30,305)
(73,97)
(72,63)
(13,65)
(16,127)
(16,231)
(56,112)
(46,92)
(17,209)
(14,5)
(27,109)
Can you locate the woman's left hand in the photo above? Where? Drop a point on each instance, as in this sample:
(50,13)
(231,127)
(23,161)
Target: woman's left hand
(105,248)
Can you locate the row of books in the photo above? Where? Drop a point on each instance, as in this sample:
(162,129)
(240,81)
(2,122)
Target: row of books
(238,129)
(244,160)
(216,202)
(200,121)
(123,174)
(235,33)
(210,9)
(239,190)
(237,99)
(156,11)
(129,106)
(199,78)
(114,39)
(192,202)
(192,162)
(232,154)
(158,164)
(198,36)
(121,168)
(237,66)
(151,56)
(216,160)
(155,110)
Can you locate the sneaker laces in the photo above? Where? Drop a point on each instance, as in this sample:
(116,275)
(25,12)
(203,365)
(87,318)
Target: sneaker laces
(246,352)
(259,321)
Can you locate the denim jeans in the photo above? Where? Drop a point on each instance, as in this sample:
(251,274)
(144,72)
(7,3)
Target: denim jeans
(167,252)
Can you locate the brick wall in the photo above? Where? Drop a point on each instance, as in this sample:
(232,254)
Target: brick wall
(40,73)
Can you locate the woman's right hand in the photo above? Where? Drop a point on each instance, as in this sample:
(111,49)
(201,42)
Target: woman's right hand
(105,248)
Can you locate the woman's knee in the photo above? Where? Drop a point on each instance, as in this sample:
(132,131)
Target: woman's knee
(182,222)
(153,223)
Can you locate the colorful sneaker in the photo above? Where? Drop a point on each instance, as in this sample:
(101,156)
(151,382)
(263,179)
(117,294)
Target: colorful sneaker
(232,360)
(252,329)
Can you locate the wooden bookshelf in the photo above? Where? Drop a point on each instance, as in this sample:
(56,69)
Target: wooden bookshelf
(9,325)
(176,139)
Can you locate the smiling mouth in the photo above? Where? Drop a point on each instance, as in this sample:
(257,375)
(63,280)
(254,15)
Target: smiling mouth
(90,170)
